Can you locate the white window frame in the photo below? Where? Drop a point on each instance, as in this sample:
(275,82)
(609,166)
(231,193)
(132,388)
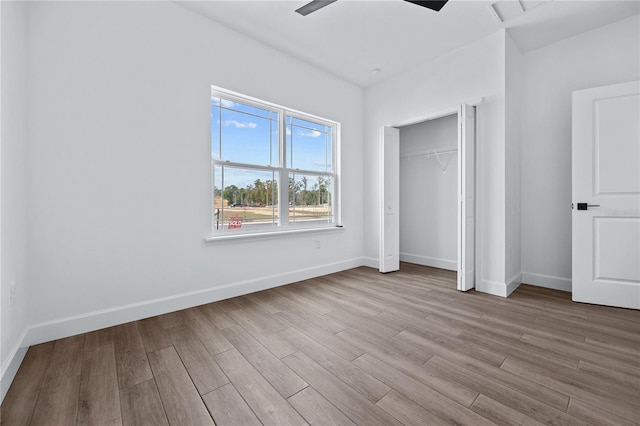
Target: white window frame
(282,171)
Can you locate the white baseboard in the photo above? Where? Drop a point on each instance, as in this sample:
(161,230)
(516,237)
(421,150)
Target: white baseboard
(434,262)
(371,262)
(497,288)
(10,366)
(65,327)
(494,288)
(547,281)
(513,283)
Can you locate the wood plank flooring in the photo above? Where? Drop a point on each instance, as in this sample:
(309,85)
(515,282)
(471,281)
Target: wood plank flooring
(352,348)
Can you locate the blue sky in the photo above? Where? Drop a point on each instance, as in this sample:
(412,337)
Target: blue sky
(250,135)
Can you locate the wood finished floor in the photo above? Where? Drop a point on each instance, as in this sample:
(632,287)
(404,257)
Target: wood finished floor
(356,347)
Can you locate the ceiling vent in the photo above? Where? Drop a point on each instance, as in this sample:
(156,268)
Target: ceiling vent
(507,10)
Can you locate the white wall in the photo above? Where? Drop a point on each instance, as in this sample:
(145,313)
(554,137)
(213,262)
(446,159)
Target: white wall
(119,166)
(607,55)
(428,197)
(513,159)
(474,71)
(13,226)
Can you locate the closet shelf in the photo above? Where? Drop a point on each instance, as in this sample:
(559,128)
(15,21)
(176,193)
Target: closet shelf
(431,153)
(435,153)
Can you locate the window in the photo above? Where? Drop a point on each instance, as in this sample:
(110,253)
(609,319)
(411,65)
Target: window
(273,169)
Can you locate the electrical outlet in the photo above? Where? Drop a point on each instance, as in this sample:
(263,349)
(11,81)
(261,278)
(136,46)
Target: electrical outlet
(12,292)
(318,244)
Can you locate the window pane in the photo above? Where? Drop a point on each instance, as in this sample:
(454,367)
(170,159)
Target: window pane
(243,134)
(309,125)
(248,147)
(244,199)
(310,199)
(308,145)
(329,137)
(215,128)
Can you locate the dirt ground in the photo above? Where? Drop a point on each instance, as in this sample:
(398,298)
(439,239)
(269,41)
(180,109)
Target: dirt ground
(257,213)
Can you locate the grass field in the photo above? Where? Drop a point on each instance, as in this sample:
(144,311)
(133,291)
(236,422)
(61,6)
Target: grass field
(265,214)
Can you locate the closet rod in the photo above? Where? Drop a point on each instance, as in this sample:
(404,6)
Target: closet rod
(432,152)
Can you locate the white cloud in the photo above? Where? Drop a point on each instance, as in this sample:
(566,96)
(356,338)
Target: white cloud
(215,156)
(225,103)
(312,134)
(240,124)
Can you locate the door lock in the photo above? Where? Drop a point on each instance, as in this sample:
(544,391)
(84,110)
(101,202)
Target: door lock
(585,206)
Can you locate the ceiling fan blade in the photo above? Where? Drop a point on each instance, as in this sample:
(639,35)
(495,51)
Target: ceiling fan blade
(313,6)
(433,5)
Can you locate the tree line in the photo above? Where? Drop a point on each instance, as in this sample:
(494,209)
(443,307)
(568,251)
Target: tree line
(303,192)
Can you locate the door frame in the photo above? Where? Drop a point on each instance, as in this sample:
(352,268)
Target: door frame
(450,110)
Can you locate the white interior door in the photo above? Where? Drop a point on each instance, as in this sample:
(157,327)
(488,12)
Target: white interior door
(390,185)
(606,195)
(466,197)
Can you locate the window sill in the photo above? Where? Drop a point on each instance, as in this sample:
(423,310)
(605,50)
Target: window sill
(221,239)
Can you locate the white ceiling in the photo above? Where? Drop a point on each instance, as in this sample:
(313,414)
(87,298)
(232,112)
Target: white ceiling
(349,38)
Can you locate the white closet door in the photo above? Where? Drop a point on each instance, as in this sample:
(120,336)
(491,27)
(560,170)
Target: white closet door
(390,189)
(466,197)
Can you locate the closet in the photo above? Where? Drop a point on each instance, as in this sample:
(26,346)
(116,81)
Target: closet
(428,193)
(432,207)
